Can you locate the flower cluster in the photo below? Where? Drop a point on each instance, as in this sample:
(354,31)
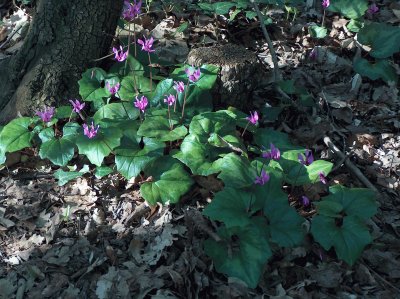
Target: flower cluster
(193,74)
(262,179)
(146,44)
(77,106)
(326,3)
(170,100)
(113,89)
(253,118)
(179,86)
(120,55)
(131,11)
(46,114)
(91,131)
(142,103)
(273,154)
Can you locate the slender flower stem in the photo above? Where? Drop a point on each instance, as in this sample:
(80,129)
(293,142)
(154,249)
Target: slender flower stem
(184,100)
(177,97)
(134,37)
(323,19)
(151,76)
(129,47)
(245,128)
(169,119)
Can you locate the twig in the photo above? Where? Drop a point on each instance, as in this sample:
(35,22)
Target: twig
(349,164)
(380,277)
(277,73)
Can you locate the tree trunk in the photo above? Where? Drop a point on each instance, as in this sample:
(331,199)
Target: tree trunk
(64,38)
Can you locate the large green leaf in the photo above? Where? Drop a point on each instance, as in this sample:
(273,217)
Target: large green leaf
(116,111)
(131,158)
(242,253)
(384,39)
(222,8)
(58,151)
(159,127)
(351,9)
(236,171)
(355,201)
(66,176)
(381,69)
(265,136)
(90,86)
(207,123)
(100,146)
(16,135)
(284,223)
(349,239)
(231,206)
(200,157)
(317,31)
(134,67)
(131,84)
(296,173)
(169,181)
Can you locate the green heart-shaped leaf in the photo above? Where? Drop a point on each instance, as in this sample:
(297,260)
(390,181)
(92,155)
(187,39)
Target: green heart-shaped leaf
(66,176)
(236,171)
(131,158)
(349,239)
(90,86)
(100,146)
(350,9)
(381,69)
(169,181)
(116,111)
(16,135)
(159,127)
(242,253)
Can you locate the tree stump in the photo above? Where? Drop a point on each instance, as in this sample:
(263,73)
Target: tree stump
(240,72)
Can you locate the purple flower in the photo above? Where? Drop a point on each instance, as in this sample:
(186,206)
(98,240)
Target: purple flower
(262,179)
(274,154)
(322,178)
(253,118)
(373,9)
(113,89)
(179,86)
(305,200)
(193,74)
(326,3)
(90,131)
(120,55)
(77,106)
(313,54)
(142,103)
(170,100)
(146,44)
(131,11)
(307,158)
(46,114)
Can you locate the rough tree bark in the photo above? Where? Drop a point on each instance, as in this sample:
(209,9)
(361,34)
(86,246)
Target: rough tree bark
(64,39)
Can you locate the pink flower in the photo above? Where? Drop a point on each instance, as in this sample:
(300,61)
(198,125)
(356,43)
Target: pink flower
(120,55)
(193,74)
(373,9)
(322,178)
(142,103)
(46,114)
(179,86)
(274,154)
(262,179)
(326,3)
(77,106)
(253,118)
(307,158)
(131,11)
(313,54)
(113,89)
(91,131)
(170,100)
(146,44)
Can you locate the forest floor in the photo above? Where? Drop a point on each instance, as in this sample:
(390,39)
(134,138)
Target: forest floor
(96,238)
